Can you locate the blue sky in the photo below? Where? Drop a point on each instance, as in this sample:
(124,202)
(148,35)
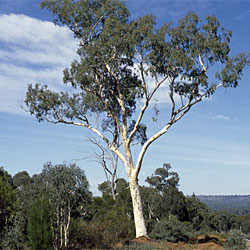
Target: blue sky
(209,148)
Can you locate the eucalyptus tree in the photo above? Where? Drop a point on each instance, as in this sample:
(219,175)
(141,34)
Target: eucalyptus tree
(168,200)
(67,188)
(122,65)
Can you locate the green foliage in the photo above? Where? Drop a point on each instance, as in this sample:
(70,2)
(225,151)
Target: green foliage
(60,192)
(65,184)
(7,201)
(243,222)
(7,178)
(236,241)
(150,201)
(40,225)
(100,222)
(117,226)
(222,221)
(163,196)
(21,180)
(86,235)
(163,179)
(26,192)
(162,200)
(110,35)
(67,189)
(114,216)
(198,213)
(172,230)
(15,236)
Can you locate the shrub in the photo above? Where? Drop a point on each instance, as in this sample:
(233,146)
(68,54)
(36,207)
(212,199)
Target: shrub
(85,235)
(117,226)
(39,225)
(236,241)
(172,230)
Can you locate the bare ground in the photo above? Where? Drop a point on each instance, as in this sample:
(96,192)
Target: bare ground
(200,243)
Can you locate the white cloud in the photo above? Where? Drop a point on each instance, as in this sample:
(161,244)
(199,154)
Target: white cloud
(32,33)
(31,51)
(219,117)
(222,117)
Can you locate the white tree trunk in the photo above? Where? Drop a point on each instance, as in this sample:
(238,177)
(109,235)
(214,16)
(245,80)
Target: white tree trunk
(66,226)
(140,227)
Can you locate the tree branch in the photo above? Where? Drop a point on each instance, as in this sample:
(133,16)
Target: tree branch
(109,109)
(120,100)
(101,159)
(143,109)
(184,110)
(202,64)
(147,144)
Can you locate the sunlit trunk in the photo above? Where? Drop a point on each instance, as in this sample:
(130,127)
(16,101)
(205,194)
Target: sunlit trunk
(61,229)
(140,226)
(66,226)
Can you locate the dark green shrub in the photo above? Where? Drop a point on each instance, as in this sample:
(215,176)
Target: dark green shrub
(236,241)
(172,230)
(117,226)
(39,225)
(15,236)
(85,235)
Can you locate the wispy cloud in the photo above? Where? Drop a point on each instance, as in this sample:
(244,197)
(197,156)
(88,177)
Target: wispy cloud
(243,16)
(220,117)
(209,151)
(31,51)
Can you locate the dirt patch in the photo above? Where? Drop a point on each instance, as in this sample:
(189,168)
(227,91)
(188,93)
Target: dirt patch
(200,243)
(187,246)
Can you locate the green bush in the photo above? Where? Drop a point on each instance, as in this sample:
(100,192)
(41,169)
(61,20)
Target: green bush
(172,230)
(117,226)
(39,225)
(236,241)
(86,235)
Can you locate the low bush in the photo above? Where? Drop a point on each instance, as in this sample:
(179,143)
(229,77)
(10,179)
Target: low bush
(236,241)
(172,230)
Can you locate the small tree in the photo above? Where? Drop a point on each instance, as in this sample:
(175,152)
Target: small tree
(40,225)
(67,188)
(122,64)
(171,201)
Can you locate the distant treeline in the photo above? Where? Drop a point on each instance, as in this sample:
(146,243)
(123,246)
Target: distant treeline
(237,204)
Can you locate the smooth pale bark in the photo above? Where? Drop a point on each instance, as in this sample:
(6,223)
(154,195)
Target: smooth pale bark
(140,226)
(66,226)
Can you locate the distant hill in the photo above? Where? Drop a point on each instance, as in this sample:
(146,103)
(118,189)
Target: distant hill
(239,204)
